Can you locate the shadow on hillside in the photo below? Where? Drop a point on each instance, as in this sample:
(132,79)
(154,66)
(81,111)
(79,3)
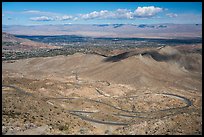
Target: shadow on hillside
(158,57)
(117,58)
(155,55)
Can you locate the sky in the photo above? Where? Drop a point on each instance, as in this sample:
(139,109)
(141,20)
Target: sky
(43,13)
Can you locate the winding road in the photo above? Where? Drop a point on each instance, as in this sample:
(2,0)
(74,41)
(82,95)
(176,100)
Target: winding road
(128,114)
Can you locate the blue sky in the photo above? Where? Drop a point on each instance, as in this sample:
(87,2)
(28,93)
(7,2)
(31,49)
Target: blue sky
(39,13)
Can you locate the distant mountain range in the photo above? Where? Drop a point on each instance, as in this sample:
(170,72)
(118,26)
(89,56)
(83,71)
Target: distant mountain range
(111,30)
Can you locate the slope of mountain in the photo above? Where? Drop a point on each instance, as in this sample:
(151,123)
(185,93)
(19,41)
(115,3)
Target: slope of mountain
(126,93)
(134,67)
(12,43)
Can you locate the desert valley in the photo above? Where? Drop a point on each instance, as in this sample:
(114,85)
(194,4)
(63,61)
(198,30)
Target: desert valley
(102,79)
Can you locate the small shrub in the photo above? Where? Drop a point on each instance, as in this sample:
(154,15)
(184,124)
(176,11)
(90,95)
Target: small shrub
(63,127)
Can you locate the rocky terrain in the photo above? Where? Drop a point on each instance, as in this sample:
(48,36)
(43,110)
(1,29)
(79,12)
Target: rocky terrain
(149,91)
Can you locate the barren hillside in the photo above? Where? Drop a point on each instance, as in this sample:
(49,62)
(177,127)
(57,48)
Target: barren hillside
(140,91)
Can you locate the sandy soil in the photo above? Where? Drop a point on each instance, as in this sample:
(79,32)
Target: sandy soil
(84,94)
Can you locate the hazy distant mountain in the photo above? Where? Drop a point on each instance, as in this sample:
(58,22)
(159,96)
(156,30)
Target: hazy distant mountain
(110,30)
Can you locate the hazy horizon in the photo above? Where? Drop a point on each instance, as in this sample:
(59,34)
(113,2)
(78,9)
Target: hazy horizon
(103,23)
